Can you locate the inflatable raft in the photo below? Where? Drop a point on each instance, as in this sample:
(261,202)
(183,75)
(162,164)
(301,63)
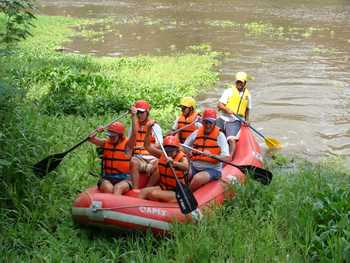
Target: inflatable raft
(128,212)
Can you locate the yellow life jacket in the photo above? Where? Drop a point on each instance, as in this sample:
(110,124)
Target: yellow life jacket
(235,103)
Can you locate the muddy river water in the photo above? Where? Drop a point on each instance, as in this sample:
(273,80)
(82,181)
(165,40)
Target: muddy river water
(297,51)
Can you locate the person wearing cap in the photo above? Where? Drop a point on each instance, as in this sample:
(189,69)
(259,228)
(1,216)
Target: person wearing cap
(117,152)
(188,121)
(210,140)
(165,191)
(235,100)
(142,160)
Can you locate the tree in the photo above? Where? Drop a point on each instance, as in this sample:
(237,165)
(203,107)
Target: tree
(18,20)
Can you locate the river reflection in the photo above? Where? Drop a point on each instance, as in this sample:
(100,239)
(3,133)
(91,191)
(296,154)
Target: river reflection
(298,52)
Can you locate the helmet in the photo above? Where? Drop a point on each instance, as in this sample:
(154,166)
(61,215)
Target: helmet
(242,76)
(171,140)
(142,105)
(209,114)
(188,102)
(116,127)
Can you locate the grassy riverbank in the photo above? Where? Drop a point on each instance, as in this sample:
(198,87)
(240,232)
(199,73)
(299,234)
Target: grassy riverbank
(52,100)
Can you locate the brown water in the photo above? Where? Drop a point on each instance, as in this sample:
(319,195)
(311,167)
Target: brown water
(299,54)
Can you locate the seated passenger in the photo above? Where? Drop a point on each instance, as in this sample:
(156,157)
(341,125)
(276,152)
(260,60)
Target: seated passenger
(165,192)
(188,121)
(209,140)
(117,152)
(142,160)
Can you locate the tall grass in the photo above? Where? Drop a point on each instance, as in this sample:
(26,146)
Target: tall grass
(301,216)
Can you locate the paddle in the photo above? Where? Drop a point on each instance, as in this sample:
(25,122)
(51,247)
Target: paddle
(272,143)
(184,195)
(51,162)
(259,174)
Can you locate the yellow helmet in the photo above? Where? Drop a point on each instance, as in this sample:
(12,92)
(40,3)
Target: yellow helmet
(242,76)
(188,102)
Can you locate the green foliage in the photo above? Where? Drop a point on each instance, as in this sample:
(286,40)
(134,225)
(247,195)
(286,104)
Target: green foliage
(18,20)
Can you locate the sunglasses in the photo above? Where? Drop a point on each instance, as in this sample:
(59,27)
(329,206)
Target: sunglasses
(184,107)
(140,112)
(208,122)
(170,150)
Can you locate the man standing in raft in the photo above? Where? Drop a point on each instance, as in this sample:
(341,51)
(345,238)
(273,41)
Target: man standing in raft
(165,192)
(209,140)
(143,161)
(235,100)
(188,121)
(117,152)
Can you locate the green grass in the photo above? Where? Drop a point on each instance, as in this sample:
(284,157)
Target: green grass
(303,216)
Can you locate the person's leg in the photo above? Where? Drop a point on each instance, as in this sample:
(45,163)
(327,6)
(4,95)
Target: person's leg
(106,186)
(121,187)
(162,195)
(154,177)
(145,191)
(232,130)
(199,179)
(135,164)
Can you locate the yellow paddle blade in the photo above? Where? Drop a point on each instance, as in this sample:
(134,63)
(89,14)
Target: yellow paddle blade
(272,143)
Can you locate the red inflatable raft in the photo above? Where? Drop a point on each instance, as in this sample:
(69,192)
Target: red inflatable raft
(128,212)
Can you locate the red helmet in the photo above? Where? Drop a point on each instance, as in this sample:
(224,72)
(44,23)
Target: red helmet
(116,127)
(209,114)
(142,105)
(171,140)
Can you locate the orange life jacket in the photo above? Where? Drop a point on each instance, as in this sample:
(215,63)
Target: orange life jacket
(167,179)
(115,160)
(206,142)
(140,139)
(183,121)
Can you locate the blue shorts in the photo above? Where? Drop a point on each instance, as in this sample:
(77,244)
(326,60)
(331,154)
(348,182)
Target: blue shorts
(213,173)
(114,178)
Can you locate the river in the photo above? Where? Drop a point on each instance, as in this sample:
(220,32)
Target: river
(297,51)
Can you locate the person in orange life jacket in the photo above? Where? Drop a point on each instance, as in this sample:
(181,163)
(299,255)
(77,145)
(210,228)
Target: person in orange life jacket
(117,152)
(142,160)
(188,117)
(165,191)
(236,99)
(211,140)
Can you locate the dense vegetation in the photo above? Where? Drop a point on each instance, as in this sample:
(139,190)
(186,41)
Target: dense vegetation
(49,101)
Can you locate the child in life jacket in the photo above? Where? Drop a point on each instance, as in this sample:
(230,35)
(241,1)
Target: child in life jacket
(165,191)
(117,152)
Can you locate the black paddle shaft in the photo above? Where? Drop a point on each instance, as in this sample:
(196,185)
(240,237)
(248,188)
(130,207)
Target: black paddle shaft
(259,174)
(184,195)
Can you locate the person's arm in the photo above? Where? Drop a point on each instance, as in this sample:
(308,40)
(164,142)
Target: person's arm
(224,100)
(246,117)
(94,139)
(225,153)
(148,146)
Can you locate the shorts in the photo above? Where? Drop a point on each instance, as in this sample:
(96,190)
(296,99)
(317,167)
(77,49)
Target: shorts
(115,178)
(230,128)
(145,164)
(213,173)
